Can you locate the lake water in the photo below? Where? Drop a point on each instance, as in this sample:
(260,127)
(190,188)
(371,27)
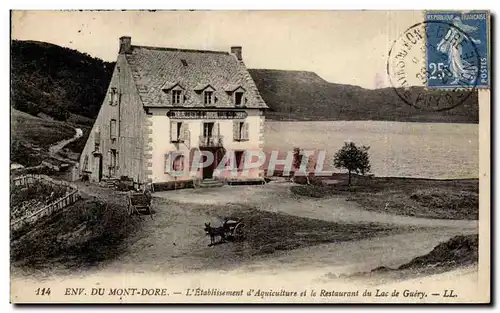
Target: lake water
(430,150)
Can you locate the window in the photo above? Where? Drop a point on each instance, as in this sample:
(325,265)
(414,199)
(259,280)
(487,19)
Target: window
(239,158)
(113,158)
(178,163)
(208,129)
(174,162)
(113,155)
(238,98)
(112,129)
(176,96)
(97,139)
(178,132)
(240,131)
(113,99)
(86,163)
(208,97)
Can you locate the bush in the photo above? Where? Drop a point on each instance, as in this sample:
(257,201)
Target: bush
(445,199)
(459,250)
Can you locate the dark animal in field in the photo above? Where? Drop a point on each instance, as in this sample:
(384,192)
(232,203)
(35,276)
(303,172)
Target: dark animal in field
(214,232)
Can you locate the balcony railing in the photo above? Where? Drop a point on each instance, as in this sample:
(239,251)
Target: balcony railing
(211,141)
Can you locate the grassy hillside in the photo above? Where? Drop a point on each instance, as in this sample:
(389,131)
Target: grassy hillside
(57,81)
(302,95)
(31,137)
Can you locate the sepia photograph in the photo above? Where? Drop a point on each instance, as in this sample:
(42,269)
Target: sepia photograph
(250,156)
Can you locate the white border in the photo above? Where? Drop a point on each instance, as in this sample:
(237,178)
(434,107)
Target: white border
(195,4)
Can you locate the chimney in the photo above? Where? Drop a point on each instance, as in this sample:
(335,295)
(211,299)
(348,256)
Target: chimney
(237,52)
(125,44)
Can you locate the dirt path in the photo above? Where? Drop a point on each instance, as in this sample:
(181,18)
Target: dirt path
(54,149)
(277,197)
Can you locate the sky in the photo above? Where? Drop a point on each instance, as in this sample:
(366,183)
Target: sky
(347,47)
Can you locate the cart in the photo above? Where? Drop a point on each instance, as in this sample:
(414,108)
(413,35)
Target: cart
(234,229)
(139,203)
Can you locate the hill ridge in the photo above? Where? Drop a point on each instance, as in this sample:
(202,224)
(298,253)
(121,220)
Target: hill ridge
(293,95)
(59,81)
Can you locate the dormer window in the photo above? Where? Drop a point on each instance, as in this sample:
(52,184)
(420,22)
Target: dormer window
(175,91)
(208,97)
(207,94)
(238,98)
(237,92)
(176,96)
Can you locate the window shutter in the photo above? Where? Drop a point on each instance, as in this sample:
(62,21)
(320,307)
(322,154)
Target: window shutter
(97,136)
(236,130)
(112,129)
(109,158)
(173,131)
(245,131)
(167,163)
(181,131)
(86,163)
(186,136)
(216,130)
(184,132)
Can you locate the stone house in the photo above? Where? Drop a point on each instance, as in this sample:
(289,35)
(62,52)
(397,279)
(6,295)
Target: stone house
(165,106)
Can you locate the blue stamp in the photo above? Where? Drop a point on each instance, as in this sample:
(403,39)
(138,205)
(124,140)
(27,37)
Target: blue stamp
(457,49)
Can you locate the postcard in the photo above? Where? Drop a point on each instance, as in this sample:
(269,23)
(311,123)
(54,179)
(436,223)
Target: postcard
(250,157)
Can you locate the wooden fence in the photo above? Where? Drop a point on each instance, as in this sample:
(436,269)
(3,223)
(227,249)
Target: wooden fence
(32,178)
(49,209)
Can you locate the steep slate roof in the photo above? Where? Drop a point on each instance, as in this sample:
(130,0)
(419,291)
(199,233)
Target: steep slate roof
(155,69)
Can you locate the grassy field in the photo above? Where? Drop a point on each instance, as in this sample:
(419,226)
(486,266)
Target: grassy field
(267,232)
(31,136)
(444,199)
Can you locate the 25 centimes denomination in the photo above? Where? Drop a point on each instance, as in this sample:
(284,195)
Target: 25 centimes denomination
(435,65)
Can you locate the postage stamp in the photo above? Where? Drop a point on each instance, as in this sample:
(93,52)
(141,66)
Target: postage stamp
(457,49)
(242,157)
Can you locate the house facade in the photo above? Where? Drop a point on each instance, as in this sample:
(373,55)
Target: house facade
(168,111)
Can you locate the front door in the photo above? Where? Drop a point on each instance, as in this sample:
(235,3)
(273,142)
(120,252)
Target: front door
(100,167)
(218,155)
(208,170)
(97,171)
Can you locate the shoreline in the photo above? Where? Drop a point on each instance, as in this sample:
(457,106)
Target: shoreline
(269,119)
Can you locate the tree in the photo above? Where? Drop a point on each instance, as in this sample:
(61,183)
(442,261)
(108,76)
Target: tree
(353,159)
